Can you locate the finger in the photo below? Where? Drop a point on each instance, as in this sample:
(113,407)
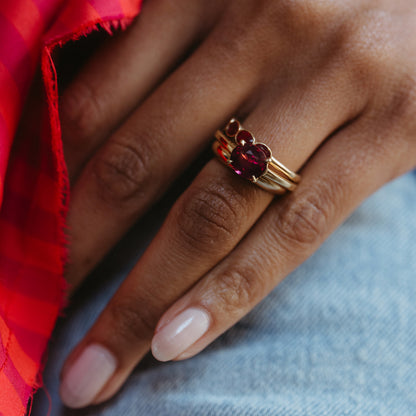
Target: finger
(125,71)
(344,171)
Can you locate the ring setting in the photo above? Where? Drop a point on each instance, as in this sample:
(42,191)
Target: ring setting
(237,148)
(248,159)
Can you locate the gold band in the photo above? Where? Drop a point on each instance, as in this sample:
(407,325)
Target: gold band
(273,176)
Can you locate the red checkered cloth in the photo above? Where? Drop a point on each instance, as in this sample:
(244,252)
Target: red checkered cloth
(34,187)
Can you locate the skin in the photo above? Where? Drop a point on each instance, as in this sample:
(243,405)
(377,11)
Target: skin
(328,85)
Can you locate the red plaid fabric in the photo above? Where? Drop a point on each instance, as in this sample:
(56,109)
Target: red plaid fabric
(34,187)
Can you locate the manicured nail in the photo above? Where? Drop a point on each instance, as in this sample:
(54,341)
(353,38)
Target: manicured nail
(87,376)
(179,334)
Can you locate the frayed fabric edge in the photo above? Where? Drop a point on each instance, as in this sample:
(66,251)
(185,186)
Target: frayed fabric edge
(50,82)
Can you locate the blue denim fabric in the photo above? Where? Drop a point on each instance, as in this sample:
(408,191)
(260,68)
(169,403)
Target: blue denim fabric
(337,337)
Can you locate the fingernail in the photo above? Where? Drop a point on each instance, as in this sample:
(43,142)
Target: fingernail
(179,334)
(87,376)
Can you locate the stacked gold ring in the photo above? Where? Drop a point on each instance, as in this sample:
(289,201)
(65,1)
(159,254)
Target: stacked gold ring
(237,148)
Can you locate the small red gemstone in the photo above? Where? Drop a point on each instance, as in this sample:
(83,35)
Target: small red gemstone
(232,128)
(249,161)
(265,150)
(244,136)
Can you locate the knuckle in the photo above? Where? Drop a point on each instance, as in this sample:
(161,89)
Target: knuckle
(395,124)
(309,17)
(79,111)
(304,219)
(239,288)
(122,170)
(209,218)
(370,45)
(130,321)
(307,29)
(401,106)
(305,10)
(295,20)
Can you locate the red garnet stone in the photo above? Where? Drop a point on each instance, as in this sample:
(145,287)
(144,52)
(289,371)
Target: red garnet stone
(232,128)
(244,136)
(250,160)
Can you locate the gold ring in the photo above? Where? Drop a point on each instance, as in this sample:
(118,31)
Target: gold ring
(238,149)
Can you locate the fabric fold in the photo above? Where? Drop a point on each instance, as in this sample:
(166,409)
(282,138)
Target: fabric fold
(34,183)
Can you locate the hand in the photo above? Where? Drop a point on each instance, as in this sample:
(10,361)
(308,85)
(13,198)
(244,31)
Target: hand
(330,86)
